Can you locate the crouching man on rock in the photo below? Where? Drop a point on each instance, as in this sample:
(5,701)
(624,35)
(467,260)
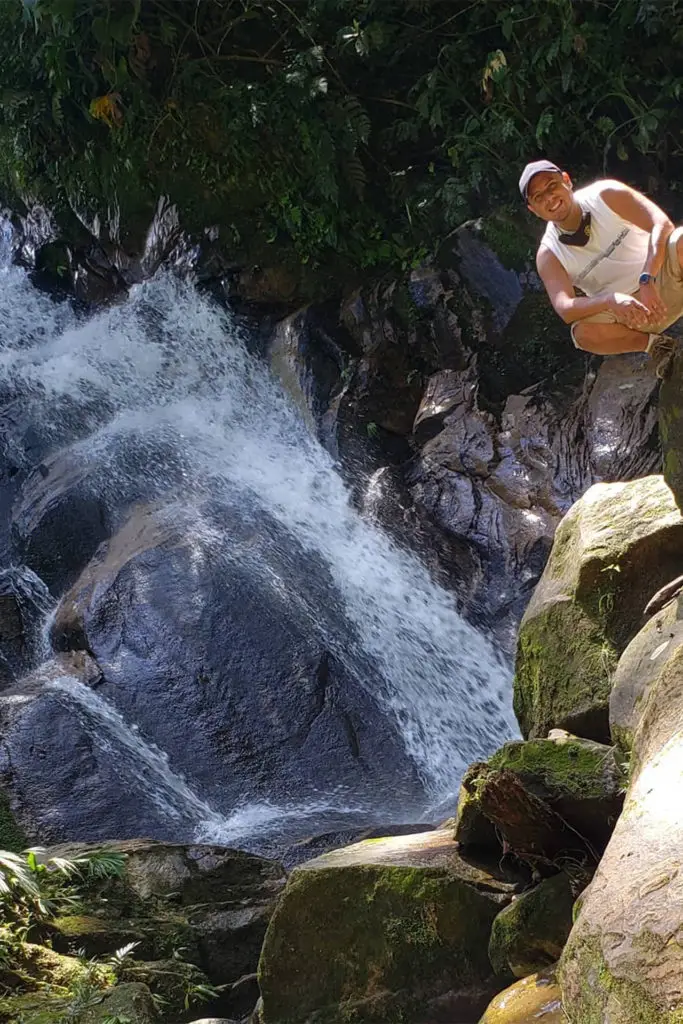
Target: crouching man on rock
(619,250)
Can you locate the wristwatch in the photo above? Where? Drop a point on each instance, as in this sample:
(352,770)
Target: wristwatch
(646,278)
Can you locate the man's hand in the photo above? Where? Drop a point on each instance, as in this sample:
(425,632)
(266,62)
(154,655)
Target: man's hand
(631,312)
(649,295)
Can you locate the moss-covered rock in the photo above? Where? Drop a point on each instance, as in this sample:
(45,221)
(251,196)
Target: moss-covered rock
(473,830)
(35,979)
(623,961)
(579,780)
(29,966)
(376,931)
(130,1002)
(536,998)
(529,935)
(614,548)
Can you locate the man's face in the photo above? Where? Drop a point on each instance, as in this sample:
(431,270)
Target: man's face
(549,195)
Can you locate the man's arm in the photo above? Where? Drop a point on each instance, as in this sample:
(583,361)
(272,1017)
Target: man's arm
(571,307)
(637,209)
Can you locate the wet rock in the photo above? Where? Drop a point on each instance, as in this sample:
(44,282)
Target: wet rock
(616,546)
(529,934)
(85,792)
(72,502)
(486,276)
(502,485)
(411,922)
(304,354)
(235,652)
(536,998)
(24,604)
(630,915)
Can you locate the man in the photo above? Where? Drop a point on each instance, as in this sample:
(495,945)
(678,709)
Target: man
(618,249)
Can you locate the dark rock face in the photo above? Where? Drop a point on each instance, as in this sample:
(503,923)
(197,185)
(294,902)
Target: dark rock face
(255,703)
(476,485)
(24,603)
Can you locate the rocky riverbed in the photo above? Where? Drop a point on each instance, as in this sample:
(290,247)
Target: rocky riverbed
(146,561)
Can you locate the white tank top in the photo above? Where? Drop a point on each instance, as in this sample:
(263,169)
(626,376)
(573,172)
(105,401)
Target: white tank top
(614,257)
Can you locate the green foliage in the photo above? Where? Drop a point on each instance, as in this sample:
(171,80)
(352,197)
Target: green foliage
(34,888)
(344,132)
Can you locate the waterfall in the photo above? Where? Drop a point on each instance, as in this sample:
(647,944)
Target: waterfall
(171,370)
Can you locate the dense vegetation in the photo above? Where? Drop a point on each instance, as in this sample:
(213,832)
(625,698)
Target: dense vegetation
(40,986)
(347,131)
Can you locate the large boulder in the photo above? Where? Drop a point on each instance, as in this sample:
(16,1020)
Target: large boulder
(542,799)
(616,547)
(529,934)
(223,644)
(624,959)
(379,931)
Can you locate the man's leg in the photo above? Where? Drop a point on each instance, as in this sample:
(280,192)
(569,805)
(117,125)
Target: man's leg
(608,339)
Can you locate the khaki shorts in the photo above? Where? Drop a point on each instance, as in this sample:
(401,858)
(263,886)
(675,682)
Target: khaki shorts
(670,283)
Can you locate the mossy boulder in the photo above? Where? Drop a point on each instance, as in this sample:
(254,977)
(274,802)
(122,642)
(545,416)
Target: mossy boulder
(34,978)
(580,781)
(623,961)
(615,547)
(29,966)
(529,934)
(530,1001)
(378,931)
(130,1002)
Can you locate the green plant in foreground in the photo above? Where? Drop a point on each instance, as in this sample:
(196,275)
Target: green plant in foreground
(36,886)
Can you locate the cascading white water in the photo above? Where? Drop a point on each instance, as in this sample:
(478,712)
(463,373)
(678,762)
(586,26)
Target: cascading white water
(169,364)
(141,763)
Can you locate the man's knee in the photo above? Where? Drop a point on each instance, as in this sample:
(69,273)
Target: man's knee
(679,247)
(583,332)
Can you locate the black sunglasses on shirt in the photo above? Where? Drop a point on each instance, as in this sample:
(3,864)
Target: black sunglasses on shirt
(582,234)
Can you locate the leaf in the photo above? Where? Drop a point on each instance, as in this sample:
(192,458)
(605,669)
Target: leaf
(100,30)
(605,125)
(106,108)
(495,68)
(567,72)
(354,173)
(543,126)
